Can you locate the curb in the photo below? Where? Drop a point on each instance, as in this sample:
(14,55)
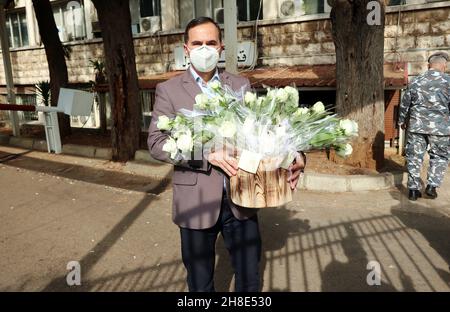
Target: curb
(69,149)
(143,164)
(350,183)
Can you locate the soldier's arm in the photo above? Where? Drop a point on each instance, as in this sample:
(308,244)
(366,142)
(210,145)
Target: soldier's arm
(404,106)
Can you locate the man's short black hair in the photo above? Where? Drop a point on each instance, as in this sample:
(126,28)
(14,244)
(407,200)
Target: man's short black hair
(200,21)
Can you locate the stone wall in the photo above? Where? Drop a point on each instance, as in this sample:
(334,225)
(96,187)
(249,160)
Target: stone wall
(420,34)
(30,65)
(305,43)
(299,43)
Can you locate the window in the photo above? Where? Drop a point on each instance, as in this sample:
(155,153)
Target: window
(27,99)
(149,9)
(189,9)
(396,2)
(16,27)
(70,20)
(294,8)
(186,9)
(147,100)
(313,6)
(248,10)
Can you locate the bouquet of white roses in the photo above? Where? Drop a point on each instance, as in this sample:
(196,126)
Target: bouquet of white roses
(267,130)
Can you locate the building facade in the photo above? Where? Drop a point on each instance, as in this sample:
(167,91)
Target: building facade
(282,41)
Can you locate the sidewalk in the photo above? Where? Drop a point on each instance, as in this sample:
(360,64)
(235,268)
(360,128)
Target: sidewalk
(310,180)
(117,224)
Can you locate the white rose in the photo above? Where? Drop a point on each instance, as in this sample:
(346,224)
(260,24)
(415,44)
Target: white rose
(293,94)
(349,126)
(250,97)
(201,101)
(178,120)
(318,107)
(227,129)
(282,96)
(171,147)
(271,94)
(345,150)
(301,111)
(181,131)
(163,123)
(215,101)
(185,143)
(215,85)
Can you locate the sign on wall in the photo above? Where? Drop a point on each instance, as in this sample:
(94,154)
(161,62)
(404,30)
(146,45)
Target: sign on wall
(245,56)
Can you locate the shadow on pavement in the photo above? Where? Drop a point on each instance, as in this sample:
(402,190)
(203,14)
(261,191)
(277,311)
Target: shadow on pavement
(102,247)
(434,226)
(291,248)
(86,174)
(296,255)
(351,275)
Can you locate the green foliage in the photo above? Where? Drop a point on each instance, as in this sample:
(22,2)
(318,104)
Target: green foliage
(43,90)
(99,71)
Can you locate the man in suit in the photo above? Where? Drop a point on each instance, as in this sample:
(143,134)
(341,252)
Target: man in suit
(201,206)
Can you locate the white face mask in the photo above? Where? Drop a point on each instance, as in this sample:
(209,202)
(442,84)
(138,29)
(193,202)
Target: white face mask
(204,58)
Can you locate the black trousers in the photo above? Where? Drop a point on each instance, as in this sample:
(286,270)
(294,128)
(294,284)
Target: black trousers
(243,242)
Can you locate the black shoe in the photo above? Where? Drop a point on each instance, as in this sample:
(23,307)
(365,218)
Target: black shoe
(431,191)
(414,194)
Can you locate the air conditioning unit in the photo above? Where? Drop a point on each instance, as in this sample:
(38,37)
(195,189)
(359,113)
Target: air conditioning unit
(290,8)
(219,16)
(150,24)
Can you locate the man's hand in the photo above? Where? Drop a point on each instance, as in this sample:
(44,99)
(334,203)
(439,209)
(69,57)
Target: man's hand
(296,168)
(403,126)
(227,163)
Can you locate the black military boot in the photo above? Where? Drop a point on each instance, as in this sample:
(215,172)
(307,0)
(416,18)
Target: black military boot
(414,194)
(431,191)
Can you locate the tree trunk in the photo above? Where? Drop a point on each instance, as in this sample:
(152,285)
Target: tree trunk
(55,54)
(360,78)
(115,24)
(102,113)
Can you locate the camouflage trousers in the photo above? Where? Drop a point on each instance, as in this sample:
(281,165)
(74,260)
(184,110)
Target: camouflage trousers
(416,147)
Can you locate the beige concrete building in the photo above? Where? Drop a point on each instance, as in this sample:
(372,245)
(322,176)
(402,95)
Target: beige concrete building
(293,40)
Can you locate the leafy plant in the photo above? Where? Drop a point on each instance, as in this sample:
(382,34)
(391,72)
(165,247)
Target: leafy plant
(99,70)
(43,91)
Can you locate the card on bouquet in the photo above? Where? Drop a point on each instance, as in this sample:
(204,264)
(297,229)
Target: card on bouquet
(249,161)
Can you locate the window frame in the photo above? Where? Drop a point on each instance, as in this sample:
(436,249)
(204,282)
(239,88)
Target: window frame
(156,6)
(9,23)
(60,6)
(249,12)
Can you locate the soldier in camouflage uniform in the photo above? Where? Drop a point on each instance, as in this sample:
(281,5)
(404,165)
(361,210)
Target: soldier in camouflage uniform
(424,112)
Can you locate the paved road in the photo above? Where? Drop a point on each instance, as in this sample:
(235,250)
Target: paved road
(56,208)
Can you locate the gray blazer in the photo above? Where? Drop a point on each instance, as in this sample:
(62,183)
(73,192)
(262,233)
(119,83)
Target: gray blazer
(197,185)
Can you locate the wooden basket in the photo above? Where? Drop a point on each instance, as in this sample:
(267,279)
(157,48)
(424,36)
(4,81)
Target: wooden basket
(268,187)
